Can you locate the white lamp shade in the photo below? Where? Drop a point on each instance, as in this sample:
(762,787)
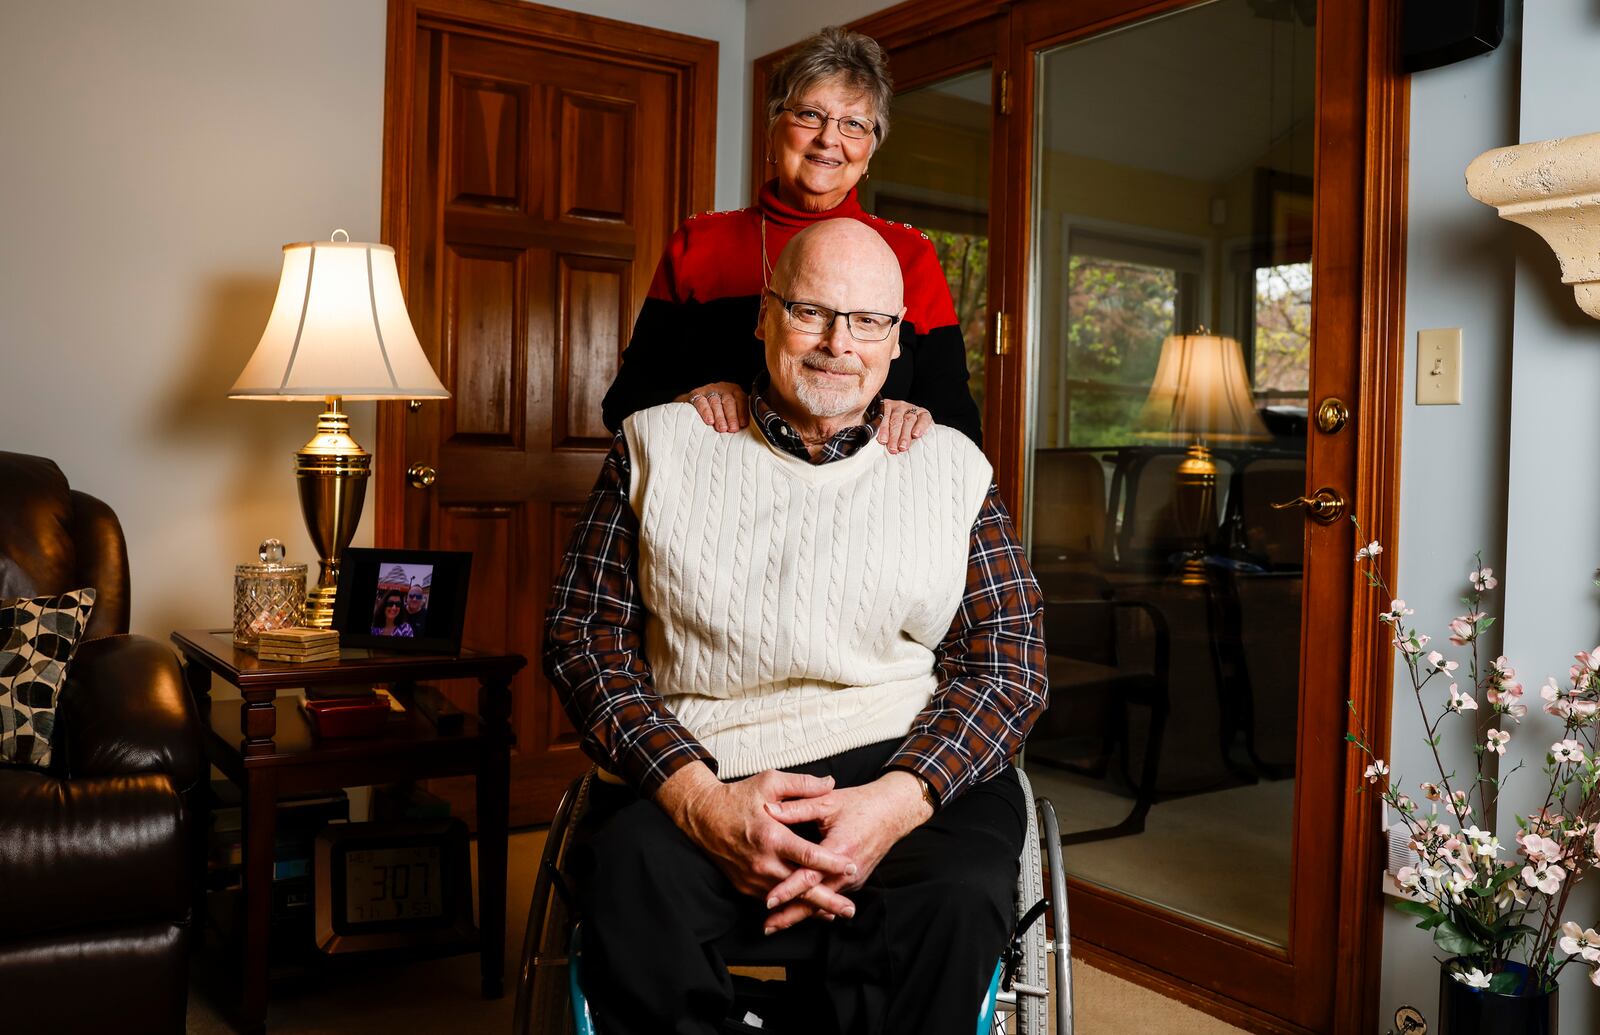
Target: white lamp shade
(338,327)
(1201,391)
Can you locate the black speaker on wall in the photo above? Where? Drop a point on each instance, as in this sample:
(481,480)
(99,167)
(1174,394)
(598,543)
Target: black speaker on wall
(1441,32)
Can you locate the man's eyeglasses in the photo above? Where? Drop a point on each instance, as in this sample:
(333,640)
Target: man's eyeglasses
(414,596)
(811,318)
(853,126)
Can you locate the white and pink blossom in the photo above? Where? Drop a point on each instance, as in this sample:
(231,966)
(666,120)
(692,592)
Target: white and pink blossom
(1577,941)
(1567,751)
(1539,849)
(1546,877)
(1439,663)
(1397,612)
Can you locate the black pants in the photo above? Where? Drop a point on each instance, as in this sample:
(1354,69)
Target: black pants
(661,922)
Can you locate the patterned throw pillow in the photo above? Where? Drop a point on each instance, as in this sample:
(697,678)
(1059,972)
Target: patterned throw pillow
(38,637)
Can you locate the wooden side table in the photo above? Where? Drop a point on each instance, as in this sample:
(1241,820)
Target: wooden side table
(265,746)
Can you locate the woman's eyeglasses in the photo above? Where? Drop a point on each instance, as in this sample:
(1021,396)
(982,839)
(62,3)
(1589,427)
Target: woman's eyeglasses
(852,126)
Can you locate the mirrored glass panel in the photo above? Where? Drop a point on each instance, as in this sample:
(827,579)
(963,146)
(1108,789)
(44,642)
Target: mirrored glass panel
(1171,336)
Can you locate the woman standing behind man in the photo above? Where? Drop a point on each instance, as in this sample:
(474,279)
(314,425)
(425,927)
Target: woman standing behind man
(827,113)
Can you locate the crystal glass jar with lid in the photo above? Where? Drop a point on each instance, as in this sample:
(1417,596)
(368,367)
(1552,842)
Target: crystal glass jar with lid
(267,595)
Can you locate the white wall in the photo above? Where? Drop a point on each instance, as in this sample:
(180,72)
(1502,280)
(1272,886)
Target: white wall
(1553,538)
(1459,273)
(770,24)
(1503,471)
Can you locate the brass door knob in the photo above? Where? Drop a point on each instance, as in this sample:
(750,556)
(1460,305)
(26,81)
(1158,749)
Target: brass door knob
(1324,507)
(1332,416)
(421,475)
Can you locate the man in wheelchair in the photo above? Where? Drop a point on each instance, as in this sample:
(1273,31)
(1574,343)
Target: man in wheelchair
(802,664)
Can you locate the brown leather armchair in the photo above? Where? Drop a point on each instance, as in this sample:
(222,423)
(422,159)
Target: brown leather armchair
(95,871)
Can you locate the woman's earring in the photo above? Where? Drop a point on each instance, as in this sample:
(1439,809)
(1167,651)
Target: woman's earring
(770,160)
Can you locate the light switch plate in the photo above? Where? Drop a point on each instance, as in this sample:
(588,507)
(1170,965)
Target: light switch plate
(1439,367)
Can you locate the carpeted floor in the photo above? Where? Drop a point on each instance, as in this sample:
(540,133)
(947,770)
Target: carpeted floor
(442,996)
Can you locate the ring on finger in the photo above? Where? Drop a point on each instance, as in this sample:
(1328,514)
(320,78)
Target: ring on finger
(696,397)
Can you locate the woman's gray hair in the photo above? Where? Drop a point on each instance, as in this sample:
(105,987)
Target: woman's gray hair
(834,53)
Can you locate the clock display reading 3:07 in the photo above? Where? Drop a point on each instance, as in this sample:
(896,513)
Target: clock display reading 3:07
(392,884)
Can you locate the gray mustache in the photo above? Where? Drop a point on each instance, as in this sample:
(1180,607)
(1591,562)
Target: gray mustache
(840,365)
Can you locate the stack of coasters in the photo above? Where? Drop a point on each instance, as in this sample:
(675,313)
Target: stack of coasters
(298,644)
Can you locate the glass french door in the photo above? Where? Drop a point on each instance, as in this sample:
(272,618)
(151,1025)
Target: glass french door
(1185,263)
(1172,235)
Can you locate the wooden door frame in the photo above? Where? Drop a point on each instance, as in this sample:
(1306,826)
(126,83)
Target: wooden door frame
(1361,259)
(684,58)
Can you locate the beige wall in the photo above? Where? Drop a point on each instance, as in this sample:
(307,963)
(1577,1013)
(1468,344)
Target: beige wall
(156,157)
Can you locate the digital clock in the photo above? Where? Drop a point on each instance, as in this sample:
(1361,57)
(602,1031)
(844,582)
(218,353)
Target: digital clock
(391,885)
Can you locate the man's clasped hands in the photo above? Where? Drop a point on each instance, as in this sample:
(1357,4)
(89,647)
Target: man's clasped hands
(744,826)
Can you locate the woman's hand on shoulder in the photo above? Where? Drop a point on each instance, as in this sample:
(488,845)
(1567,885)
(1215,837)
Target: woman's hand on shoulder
(722,405)
(902,424)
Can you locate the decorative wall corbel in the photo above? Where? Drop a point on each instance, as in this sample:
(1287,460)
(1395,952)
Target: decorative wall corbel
(1553,188)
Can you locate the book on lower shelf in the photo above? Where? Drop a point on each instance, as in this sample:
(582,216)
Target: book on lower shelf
(299,820)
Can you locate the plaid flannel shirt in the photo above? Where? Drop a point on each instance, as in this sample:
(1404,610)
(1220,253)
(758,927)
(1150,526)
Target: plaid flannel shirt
(990,664)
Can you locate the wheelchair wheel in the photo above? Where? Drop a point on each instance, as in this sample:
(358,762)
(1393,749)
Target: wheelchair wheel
(1061,943)
(544,1004)
(1030,989)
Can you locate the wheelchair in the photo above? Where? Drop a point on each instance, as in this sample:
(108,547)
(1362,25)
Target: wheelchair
(550,999)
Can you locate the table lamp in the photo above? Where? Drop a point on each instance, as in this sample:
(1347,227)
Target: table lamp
(338,330)
(1201,393)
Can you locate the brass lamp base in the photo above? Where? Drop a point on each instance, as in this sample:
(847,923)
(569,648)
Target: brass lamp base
(1194,496)
(331,471)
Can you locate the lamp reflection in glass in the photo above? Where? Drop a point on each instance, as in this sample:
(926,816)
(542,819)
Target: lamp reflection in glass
(1201,394)
(338,330)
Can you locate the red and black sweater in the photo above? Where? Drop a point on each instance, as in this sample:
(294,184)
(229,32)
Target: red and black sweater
(697,325)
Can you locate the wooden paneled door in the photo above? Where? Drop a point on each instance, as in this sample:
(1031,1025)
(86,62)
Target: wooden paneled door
(535,163)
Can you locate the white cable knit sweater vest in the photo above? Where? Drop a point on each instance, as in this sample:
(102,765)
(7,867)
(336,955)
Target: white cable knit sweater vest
(795,608)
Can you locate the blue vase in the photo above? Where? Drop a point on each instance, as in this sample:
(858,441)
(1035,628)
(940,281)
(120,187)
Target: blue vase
(1464,1010)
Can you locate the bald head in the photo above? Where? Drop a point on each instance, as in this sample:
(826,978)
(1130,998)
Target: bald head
(824,372)
(849,249)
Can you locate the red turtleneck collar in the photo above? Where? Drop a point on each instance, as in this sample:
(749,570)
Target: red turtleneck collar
(781,213)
